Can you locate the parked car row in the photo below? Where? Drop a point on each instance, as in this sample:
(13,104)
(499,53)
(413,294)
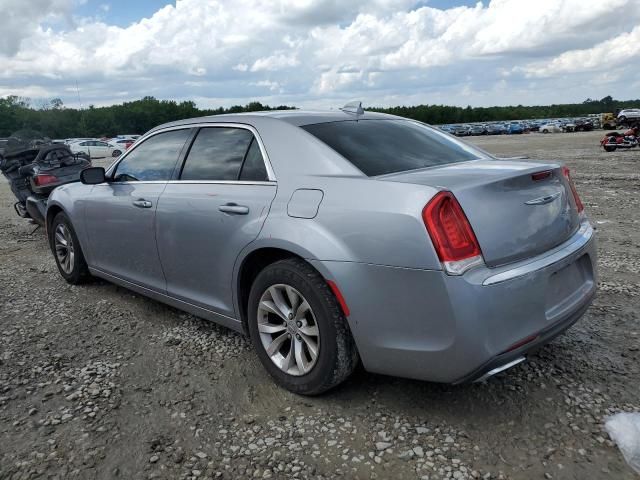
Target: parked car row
(525,126)
(99,147)
(488,128)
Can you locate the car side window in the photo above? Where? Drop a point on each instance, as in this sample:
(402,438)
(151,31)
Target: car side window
(253,168)
(217,153)
(154,159)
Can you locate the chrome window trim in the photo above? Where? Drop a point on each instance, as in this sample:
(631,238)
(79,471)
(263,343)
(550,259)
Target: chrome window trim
(265,157)
(193,182)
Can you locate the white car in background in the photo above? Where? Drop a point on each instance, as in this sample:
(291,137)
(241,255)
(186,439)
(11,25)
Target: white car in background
(121,144)
(550,128)
(96,149)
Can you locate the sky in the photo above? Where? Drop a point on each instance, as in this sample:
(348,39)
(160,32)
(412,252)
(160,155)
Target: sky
(320,53)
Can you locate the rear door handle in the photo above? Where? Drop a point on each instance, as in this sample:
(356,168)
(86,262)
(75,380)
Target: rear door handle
(142,203)
(234,208)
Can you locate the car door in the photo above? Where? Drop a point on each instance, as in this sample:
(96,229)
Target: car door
(215,207)
(92,149)
(83,147)
(120,214)
(102,149)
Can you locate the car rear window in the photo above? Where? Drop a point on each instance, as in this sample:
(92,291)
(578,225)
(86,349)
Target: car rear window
(378,147)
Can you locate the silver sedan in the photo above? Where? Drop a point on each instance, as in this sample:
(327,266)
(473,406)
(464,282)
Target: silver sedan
(334,238)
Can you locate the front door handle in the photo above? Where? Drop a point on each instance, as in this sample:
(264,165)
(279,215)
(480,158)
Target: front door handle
(142,203)
(234,208)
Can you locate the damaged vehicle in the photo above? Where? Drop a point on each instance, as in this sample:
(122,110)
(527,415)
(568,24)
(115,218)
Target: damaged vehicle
(34,168)
(339,237)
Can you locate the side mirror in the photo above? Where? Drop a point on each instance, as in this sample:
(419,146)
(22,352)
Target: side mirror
(92,176)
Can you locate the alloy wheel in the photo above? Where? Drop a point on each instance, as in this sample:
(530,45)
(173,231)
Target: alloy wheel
(63,243)
(288,329)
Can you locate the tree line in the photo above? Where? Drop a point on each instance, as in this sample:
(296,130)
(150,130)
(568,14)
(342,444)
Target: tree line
(52,119)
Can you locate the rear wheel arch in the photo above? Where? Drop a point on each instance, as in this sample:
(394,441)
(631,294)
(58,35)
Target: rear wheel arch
(251,266)
(256,261)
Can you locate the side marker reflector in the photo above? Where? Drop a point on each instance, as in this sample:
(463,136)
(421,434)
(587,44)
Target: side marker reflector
(336,291)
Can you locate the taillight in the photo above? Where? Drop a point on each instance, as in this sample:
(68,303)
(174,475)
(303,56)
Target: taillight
(567,173)
(451,233)
(44,179)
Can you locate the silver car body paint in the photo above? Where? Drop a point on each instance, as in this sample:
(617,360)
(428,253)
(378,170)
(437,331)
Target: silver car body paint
(408,317)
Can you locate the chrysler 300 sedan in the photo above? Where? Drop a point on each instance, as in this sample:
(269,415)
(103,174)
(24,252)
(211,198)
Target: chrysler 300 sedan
(334,238)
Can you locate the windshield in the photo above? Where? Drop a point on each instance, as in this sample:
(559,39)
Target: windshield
(378,147)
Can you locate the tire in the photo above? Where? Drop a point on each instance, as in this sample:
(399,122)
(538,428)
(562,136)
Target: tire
(116,153)
(72,266)
(336,353)
(545,131)
(609,148)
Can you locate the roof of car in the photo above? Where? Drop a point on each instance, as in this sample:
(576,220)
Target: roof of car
(294,117)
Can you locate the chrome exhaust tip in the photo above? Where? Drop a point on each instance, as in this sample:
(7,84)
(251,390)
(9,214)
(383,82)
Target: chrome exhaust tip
(499,369)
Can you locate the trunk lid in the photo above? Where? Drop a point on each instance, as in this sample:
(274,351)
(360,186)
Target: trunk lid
(513,215)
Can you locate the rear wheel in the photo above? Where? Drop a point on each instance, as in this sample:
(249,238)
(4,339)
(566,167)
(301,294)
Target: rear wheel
(116,153)
(298,329)
(66,250)
(609,148)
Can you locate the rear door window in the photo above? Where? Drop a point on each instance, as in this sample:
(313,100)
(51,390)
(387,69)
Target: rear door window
(378,147)
(218,153)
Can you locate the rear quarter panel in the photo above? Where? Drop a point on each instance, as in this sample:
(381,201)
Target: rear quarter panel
(360,219)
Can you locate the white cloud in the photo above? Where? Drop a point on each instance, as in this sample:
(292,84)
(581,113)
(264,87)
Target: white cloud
(621,50)
(19,19)
(275,62)
(320,51)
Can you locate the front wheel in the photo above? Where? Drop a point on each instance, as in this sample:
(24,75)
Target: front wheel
(609,148)
(298,329)
(66,250)
(116,153)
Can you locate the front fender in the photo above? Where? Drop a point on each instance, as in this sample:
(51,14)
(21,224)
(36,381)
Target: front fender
(68,199)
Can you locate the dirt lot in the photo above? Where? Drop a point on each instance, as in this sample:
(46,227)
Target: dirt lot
(97,382)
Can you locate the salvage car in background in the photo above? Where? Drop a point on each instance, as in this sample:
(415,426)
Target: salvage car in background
(550,128)
(629,116)
(34,170)
(121,144)
(96,148)
(515,128)
(338,237)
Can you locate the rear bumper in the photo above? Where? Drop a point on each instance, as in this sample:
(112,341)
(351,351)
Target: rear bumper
(427,325)
(503,361)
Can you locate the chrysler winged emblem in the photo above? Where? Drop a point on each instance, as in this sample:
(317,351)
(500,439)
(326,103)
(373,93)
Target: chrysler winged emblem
(543,200)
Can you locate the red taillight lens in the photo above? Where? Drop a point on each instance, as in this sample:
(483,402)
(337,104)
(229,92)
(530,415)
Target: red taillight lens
(449,229)
(567,173)
(41,180)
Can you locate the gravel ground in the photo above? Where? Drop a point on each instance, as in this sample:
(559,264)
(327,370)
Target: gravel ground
(98,382)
